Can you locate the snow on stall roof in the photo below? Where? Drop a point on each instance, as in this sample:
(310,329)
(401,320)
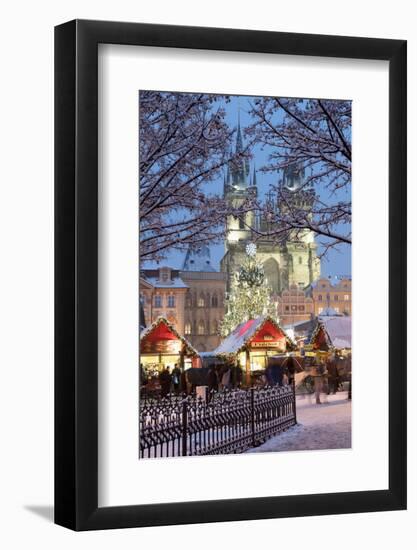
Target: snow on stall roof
(329,312)
(339,330)
(244,332)
(148,330)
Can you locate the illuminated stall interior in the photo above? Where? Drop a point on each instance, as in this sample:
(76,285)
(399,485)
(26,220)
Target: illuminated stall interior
(252,342)
(162,346)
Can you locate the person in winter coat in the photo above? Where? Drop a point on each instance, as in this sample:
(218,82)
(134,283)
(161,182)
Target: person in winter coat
(176,378)
(318,373)
(226,378)
(165,381)
(333,375)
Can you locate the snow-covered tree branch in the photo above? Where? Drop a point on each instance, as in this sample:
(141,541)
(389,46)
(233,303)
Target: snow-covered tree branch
(184,146)
(313,134)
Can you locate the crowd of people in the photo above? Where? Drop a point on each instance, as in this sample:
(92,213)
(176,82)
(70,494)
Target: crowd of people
(279,371)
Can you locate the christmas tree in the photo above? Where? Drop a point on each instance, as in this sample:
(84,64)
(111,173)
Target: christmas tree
(250,296)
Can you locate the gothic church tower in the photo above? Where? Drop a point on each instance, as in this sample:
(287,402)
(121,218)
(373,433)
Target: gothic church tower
(293,261)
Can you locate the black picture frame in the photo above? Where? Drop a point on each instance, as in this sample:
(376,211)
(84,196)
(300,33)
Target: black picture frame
(76,272)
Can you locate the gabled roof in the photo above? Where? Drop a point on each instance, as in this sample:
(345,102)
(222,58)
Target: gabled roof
(337,332)
(160,323)
(175,282)
(246,331)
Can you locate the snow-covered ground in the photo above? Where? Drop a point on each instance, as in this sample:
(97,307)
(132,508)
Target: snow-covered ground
(325,426)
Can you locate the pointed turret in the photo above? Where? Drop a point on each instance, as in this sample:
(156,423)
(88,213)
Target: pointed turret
(254,182)
(239,139)
(240,167)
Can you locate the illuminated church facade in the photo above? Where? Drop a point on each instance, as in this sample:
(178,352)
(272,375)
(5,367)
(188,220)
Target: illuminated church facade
(289,261)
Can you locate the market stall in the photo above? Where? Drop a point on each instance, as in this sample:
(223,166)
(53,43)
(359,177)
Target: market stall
(162,346)
(332,334)
(252,342)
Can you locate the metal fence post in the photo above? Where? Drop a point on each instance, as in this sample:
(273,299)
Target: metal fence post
(294,401)
(184,427)
(252,414)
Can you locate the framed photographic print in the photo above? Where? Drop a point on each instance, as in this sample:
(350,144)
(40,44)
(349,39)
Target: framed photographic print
(230,275)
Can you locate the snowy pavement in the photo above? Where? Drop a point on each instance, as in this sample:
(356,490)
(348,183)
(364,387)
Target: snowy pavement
(325,426)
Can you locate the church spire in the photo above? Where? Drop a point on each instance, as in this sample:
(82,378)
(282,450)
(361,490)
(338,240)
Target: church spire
(254,182)
(239,140)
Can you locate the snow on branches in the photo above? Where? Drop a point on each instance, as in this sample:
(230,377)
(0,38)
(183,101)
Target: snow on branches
(184,146)
(314,134)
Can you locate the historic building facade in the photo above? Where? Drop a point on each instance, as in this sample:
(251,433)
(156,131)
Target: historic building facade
(204,300)
(162,294)
(294,306)
(334,293)
(294,260)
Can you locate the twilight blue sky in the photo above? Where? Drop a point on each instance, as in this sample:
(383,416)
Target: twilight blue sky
(336,262)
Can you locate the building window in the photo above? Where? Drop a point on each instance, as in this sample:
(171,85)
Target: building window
(346,297)
(188,301)
(336,297)
(320,309)
(158,300)
(320,298)
(201,301)
(300,260)
(214,327)
(214,301)
(336,309)
(187,328)
(287,308)
(201,328)
(241,224)
(171,300)
(301,308)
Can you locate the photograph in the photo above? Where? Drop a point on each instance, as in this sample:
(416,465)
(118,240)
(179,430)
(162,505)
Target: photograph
(245,286)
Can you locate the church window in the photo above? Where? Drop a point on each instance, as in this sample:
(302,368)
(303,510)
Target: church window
(171,300)
(158,300)
(201,301)
(187,328)
(188,300)
(214,301)
(201,327)
(241,223)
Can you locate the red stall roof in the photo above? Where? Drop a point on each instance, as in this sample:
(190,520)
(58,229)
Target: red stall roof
(252,331)
(161,329)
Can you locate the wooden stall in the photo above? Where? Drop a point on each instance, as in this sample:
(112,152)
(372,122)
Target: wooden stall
(162,346)
(252,342)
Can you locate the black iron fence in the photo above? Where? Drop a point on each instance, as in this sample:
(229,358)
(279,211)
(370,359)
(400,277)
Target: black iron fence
(226,422)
